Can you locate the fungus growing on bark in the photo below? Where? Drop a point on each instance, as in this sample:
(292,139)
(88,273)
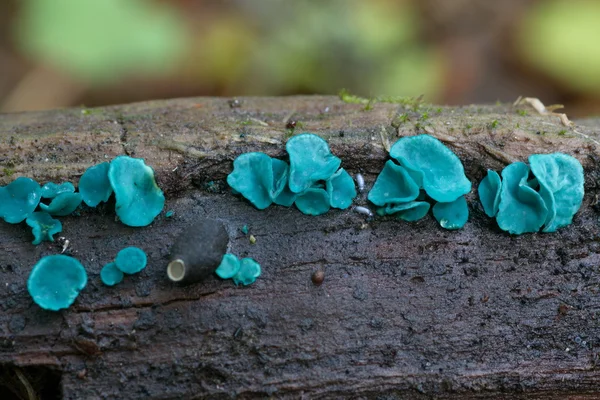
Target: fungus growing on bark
(55,281)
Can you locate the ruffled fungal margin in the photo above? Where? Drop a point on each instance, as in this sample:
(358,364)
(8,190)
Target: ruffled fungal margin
(44,227)
(50,190)
(548,201)
(63,204)
(94,185)
(312,180)
(138,198)
(19,199)
(426,168)
(131,260)
(55,281)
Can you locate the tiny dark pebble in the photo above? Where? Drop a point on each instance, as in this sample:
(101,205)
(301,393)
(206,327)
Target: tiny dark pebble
(235,103)
(318,277)
(291,124)
(341,133)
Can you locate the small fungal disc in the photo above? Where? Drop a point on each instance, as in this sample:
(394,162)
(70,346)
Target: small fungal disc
(393,185)
(410,212)
(43,227)
(111,275)
(489,193)
(560,177)
(341,189)
(131,260)
(313,201)
(229,267)
(139,199)
(50,190)
(452,215)
(252,177)
(55,281)
(248,272)
(94,184)
(443,175)
(63,204)
(521,208)
(19,199)
(310,161)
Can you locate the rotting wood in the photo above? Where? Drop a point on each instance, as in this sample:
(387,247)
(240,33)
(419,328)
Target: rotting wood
(405,311)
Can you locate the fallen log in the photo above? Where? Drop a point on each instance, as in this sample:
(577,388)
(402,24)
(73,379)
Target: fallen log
(405,311)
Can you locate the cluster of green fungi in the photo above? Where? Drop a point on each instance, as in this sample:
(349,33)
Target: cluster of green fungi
(313,180)
(244,271)
(545,194)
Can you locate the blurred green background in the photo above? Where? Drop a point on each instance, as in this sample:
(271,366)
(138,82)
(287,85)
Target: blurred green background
(57,53)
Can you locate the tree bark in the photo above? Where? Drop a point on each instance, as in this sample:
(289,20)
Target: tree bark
(406,310)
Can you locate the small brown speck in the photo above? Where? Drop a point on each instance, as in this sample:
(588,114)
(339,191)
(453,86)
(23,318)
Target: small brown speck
(563,309)
(318,277)
(235,103)
(81,374)
(291,124)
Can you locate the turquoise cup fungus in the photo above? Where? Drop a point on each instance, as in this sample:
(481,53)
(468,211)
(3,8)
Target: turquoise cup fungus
(524,204)
(131,260)
(63,204)
(313,201)
(248,272)
(425,165)
(560,177)
(312,181)
(229,267)
(521,208)
(433,166)
(139,199)
(452,215)
(55,281)
(393,185)
(19,199)
(341,189)
(310,161)
(489,193)
(111,275)
(94,185)
(44,227)
(50,190)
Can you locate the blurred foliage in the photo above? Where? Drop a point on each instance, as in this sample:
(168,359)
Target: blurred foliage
(369,47)
(559,37)
(101,40)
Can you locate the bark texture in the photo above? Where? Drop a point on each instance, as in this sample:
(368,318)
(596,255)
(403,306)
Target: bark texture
(406,310)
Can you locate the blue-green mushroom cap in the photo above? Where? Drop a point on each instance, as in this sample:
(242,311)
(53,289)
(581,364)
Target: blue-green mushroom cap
(393,185)
(229,267)
(341,189)
(55,281)
(248,272)
(139,199)
(453,215)
(521,208)
(310,161)
(252,177)
(63,204)
(94,184)
(410,211)
(44,227)
(50,190)
(131,260)
(19,199)
(313,201)
(281,193)
(560,177)
(489,193)
(111,275)
(436,166)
